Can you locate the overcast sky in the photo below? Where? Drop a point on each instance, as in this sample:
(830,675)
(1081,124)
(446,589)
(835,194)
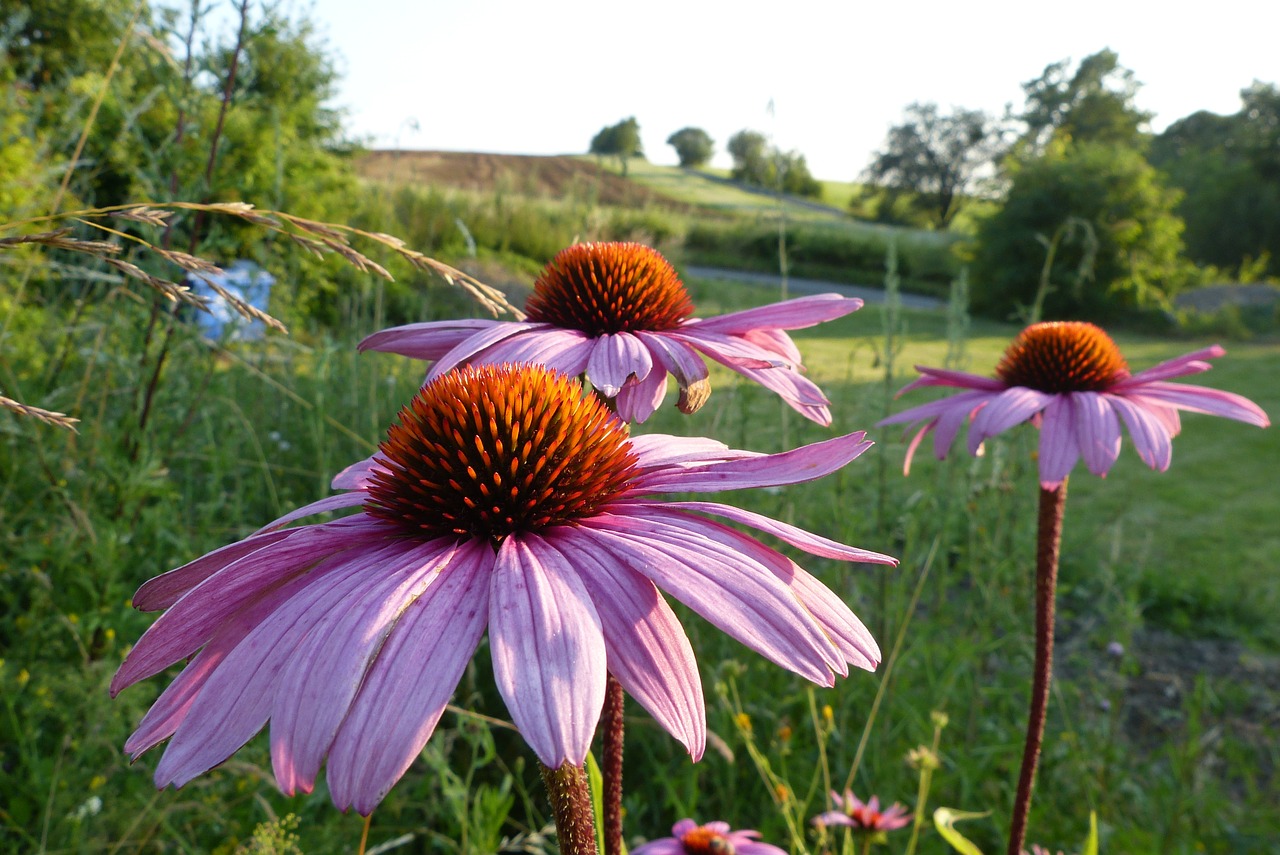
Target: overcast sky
(526,77)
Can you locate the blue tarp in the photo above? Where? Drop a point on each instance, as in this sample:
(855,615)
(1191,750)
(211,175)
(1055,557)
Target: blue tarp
(245,280)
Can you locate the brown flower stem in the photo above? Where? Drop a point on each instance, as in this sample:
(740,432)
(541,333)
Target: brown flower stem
(570,798)
(1048,540)
(611,765)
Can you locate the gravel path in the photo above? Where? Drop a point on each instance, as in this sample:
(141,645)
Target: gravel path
(814,286)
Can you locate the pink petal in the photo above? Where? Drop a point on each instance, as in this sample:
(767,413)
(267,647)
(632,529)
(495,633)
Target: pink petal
(1150,434)
(732,591)
(788,315)
(1191,363)
(1059,442)
(1099,431)
(798,537)
(680,359)
(409,683)
(165,589)
(962,402)
(637,401)
(316,689)
(661,846)
(429,341)
(357,475)
(1201,399)
(615,360)
(468,348)
(566,351)
(800,393)
(657,450)
(648,650)
(806,463)
(1013,406)
(548,651)
(236,700)
(730,351)
(776,342)
(330,503)
(957,379)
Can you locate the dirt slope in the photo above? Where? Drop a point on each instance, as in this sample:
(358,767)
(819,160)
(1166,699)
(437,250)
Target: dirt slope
(555,176)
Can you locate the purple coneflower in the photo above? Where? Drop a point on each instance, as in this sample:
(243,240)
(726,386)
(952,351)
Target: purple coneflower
(863,817)
(714,838)
(1069,379)
(503,499)
(619,314)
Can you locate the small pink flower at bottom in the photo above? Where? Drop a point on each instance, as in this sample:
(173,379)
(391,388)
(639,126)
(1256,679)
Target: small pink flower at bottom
(863,817)
(714,838)
(1069,379)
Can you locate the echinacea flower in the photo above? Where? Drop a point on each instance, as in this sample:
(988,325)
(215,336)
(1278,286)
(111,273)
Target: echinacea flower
(713,838)
(1070,380)
(503,499)
(863,817)
(619,314)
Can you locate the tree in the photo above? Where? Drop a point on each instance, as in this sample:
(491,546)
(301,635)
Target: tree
(693,146)
(621,140)
(1228,168)
(757,163)
(1130,215)
(1093,104)
(934,158)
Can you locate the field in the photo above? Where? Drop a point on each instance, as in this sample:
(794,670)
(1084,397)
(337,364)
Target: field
(1165,714)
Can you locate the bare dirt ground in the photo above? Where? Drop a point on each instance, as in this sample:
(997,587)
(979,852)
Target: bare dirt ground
(552,176)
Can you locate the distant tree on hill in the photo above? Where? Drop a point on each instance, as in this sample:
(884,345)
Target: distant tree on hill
(757,163)
(1093,104)
(932,159)
(693,146)
(621,140)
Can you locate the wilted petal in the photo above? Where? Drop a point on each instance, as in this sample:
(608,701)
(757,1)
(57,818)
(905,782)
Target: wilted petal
(636,401)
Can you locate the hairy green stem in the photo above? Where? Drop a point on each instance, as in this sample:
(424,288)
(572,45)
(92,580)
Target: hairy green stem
(1048,541)
(570,798)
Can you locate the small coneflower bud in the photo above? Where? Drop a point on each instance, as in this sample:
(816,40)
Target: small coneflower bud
(608,288)
(923,758)
(1062,356)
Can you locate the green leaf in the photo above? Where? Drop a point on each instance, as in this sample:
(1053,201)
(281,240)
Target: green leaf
(596,783)
(1091,842)
(944,820)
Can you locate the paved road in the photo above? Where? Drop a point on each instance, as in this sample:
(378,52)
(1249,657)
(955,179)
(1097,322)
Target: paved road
(814,286)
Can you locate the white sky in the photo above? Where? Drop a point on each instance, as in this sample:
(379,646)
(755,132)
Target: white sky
(527,77)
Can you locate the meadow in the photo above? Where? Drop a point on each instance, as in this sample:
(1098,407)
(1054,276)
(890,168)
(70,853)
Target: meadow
(1165,705)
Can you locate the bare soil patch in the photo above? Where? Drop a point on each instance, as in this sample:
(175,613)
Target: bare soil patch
(552,176)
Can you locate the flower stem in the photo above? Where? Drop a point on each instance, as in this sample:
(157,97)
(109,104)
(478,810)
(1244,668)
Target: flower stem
(571,803)
(1048,540)
(611,770)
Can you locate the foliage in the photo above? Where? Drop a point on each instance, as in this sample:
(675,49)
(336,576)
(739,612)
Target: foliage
(935,158)
(1129,212)
(760,164)
(1094,104)
(621,140)
(1228,168)
(693,146)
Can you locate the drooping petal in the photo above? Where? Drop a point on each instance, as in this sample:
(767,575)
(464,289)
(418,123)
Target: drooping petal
(677,357)
(236,699)
(798,537)
(636,401)
(1011,407)
(1059,443)
(615,359)
(795,314)
(806,463)
(191,621)
(648,650)
(548,651)
(398,707)
(1150,433)
(429,341)
(946,377)
(1098,429)
(800,393)
(732,591)
(840,624)
(776,342)
(1202,399)
(164,590)
(316,689)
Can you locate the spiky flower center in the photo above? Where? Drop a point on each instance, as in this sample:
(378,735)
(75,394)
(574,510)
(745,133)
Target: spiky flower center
(1062,356)
(704,841)
(487,451)
(606,288)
